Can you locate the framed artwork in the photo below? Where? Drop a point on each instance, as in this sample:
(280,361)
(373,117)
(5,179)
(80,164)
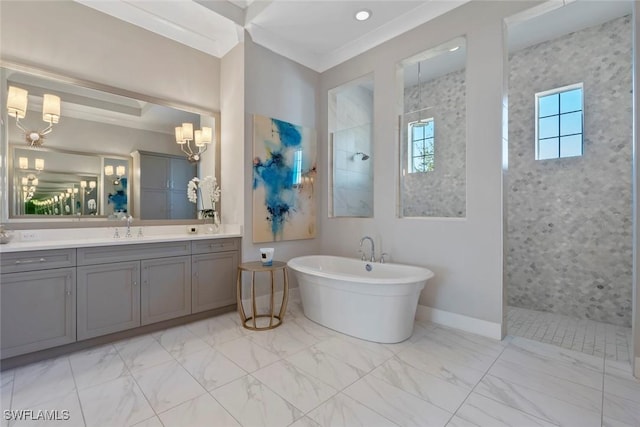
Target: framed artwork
(284,171)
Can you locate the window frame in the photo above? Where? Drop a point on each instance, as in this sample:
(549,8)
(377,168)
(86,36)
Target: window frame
(537,118)
(410,144)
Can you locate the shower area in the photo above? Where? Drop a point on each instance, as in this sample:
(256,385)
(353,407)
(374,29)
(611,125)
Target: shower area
(568,191)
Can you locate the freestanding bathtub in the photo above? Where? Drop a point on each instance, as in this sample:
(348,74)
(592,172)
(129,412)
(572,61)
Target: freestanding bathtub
(372,301)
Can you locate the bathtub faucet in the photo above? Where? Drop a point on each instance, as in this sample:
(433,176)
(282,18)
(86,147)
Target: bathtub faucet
(372,258)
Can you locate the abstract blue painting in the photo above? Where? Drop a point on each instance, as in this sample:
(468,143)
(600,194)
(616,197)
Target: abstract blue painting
(284,171)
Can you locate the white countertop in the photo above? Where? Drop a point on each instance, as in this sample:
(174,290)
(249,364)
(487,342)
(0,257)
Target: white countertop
(90,237)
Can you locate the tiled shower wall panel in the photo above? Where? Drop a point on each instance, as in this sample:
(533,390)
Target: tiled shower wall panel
(441,192)
(569,220)
(353,177)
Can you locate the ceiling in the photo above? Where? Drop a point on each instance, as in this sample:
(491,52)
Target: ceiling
(316,33)
(323,33)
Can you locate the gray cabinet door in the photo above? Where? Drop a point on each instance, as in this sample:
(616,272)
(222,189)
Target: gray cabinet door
(108,298)
(166,288)
(213,282)
(38,310)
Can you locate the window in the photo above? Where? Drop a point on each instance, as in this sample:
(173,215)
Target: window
(296,174)
(559,122)
(421,146)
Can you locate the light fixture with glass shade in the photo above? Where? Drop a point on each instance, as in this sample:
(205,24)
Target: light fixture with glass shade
(17,99)
(201,140)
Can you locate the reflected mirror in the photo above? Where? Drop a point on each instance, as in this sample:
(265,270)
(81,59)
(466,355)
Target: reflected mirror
(62,183)
(433,132)
(351,146)
(75,159)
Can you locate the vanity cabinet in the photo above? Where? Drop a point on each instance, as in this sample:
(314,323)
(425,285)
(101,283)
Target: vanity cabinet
(214,266)
(166,289)
(138,283)
(37,301)
(55,297)
(108,298)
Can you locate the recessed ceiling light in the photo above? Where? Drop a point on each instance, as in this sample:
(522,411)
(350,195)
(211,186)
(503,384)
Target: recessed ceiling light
(363,15)
(453,49)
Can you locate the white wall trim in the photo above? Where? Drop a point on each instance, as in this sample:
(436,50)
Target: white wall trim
(459,321)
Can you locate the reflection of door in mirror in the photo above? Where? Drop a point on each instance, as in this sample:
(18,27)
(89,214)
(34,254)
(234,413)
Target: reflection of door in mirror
(350,127)
(163,186)
(433,133)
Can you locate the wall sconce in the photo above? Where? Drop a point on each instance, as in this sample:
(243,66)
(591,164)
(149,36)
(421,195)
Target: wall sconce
(17,100)
(202,139)
(120,172)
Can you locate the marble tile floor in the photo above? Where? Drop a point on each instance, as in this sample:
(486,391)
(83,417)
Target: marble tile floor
(215,373)
(586,336)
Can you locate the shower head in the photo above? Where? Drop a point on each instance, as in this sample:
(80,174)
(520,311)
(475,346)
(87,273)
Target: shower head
(364,156)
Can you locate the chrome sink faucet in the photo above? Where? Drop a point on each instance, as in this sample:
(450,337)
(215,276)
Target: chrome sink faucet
(129,221)
(372,258)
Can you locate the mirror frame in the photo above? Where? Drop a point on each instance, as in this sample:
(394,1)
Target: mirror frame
(27,222)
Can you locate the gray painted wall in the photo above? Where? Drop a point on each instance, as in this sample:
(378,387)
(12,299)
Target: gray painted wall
(569,220)
(465,254)
(280,88)
(76,41)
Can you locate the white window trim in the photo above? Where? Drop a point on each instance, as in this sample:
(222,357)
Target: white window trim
(537,118)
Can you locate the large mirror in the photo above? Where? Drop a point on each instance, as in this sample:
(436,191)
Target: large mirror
(433,132)
(351,149)
(83,162)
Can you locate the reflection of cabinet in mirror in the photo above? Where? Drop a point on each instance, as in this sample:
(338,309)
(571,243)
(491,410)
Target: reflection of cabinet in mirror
(351,146)
(162,187)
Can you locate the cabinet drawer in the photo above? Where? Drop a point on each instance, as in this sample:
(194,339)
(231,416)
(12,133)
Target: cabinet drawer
(213,245)
(16,262)
(107,254)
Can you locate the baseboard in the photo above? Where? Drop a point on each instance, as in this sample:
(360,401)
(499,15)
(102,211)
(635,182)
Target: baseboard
(636,368)
(459,321)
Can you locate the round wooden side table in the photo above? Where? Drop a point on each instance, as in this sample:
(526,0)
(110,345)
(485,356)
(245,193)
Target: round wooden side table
(275,320)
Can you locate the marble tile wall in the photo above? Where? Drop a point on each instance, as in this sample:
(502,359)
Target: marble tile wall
(441,192)
(569,220)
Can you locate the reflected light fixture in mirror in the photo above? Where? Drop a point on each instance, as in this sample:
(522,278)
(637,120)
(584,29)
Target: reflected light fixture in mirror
(23,163)
(119,172)
(17,100)
(202,138)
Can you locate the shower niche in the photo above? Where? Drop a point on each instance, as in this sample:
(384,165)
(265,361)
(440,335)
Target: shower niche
(432,132)
(350,149)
